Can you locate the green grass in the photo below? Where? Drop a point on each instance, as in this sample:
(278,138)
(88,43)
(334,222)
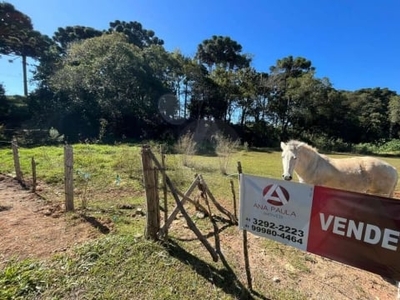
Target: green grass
(122,265)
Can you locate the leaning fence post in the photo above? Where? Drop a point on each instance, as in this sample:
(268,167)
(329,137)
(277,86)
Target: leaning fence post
(69,177)
(150,183)
(18,172)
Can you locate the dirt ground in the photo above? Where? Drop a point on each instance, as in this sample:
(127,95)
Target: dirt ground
(32,228)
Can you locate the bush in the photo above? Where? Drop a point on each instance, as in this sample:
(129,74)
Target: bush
(329,144)
(187,147)
(364,148)
(392,147)
(224,148)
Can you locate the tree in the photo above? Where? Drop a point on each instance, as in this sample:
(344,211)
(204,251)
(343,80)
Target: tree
(248,87)
(4,105)
(319,109)
(207,101)
(193,75)
(179,68)
(135,33)
(281,80)
(70,34)
(394,116)
(292,67)
(109,82)
(19,38)
(50,60)
(12,21)
(223,57)
(371,112)
(222,51)
(228,84)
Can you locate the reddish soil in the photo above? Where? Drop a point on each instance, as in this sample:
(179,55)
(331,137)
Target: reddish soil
(31,227)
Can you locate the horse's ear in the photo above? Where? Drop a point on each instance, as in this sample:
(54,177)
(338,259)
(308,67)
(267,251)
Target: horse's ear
(283,145)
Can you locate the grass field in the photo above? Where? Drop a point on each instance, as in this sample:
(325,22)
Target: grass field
(123,265)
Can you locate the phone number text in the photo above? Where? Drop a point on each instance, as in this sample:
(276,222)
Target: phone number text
(277,230)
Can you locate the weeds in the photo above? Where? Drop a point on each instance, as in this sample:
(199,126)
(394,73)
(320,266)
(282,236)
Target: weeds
(21,279)
(224,148)
(187,147)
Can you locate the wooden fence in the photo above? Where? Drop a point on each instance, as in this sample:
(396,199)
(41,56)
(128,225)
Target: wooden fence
(68,173)
(152,169)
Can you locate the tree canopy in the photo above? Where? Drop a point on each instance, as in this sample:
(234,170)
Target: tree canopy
(70,34)
(136,34)
(109,81)
(18,37)
(120,82)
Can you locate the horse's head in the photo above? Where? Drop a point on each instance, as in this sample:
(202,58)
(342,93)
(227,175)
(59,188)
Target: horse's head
(289,157)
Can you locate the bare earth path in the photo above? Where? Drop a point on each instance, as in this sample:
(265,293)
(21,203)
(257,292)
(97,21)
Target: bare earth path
(31,228)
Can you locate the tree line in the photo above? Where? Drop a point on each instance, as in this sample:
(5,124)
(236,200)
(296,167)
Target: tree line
(122,83)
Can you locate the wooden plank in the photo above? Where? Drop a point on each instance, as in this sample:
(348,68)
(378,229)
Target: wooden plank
(34,179)
(152,199)
(69,177)
(17,166)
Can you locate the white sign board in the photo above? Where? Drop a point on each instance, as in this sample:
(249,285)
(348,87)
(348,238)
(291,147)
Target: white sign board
(276,209)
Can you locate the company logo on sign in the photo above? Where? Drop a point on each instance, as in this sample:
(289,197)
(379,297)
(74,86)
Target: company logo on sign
(275,195)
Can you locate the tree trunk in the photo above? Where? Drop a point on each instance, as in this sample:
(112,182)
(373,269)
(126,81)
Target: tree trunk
(24,75)
(243,117)
(186,96)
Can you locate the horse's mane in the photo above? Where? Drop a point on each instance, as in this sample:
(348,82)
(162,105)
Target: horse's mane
(297,143)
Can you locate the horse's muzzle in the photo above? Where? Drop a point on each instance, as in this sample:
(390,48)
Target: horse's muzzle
(287,177)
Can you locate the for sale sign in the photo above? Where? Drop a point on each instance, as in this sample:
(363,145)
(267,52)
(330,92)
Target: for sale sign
(276,210)
(356,229)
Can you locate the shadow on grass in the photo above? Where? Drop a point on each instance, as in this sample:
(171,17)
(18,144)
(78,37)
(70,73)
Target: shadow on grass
(96,224)
(211,233)
(224,279)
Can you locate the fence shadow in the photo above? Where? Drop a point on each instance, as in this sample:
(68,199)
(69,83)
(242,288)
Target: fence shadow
(208,235)
(225,278)
(96,224)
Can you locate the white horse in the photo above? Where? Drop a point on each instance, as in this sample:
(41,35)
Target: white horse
(359,174)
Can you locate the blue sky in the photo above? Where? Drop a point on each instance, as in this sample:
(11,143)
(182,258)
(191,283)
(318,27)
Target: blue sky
(356,44)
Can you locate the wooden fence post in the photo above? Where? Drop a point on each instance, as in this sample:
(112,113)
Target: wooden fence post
(34,180)
(245,244)
(18,172)
(233,199)
(165,190)
(153,206)
(69,177)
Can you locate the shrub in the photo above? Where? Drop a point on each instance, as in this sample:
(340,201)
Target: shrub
(365,148)
(187,147)
(392,146)
(224,148)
